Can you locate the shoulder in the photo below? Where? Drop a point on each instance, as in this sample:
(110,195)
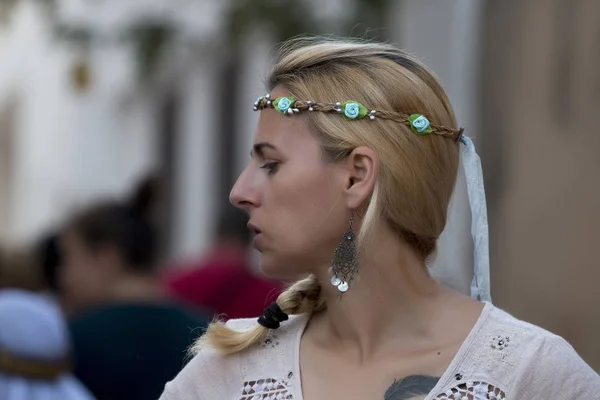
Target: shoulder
(91,318)
(526,360)
(210,374)
(550,367)
(530,341)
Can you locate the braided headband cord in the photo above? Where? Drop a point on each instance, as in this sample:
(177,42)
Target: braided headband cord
(297,106)
(272,317)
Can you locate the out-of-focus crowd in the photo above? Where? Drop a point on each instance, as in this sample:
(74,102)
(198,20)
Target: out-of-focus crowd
(91,311)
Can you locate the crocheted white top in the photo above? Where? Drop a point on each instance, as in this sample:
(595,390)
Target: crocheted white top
(502,358)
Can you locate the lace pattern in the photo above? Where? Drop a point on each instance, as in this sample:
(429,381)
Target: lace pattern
(274,389)
(473,391)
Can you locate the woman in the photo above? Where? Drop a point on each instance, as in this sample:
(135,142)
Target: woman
(35,359)
(353,166)
(128,339)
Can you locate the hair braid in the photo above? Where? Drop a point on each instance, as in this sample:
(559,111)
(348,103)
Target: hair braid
(303,297)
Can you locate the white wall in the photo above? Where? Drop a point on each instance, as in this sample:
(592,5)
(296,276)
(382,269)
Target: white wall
(71,148)
(37,184)
(257,61)
(196,161)
(6,139)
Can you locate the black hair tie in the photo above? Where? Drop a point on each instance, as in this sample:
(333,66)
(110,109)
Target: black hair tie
(272,317)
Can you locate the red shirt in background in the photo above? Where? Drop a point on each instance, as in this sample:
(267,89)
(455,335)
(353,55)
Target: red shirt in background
(222,282)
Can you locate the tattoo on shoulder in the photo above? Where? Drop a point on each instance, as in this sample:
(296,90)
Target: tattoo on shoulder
(414,387)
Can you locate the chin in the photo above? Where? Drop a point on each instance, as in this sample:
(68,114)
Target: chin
(282,269)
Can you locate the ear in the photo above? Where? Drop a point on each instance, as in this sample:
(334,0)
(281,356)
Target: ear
(361,167)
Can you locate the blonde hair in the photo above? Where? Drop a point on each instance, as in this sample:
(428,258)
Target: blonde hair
(416,173)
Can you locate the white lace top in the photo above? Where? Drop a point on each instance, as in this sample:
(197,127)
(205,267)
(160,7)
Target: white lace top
(502,358)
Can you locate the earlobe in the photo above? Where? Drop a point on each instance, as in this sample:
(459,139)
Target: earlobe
(362,166)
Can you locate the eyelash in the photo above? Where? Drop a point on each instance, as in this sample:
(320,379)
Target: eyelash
(270,167)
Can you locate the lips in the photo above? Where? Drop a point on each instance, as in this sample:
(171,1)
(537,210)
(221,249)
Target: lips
(254,228)
(257,241)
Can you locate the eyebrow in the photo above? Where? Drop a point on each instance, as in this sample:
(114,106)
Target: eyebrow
(258,148)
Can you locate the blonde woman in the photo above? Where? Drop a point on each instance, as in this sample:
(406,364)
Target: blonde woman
(353,166)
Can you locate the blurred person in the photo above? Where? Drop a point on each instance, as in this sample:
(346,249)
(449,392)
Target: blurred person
(46,255)
(224,280)
(19,269)
(128,340)
(354,163)
(35,353)
(49,257)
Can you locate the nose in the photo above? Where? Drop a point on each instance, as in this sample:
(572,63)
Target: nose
(243,195)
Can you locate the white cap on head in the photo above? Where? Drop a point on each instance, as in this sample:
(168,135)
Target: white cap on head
(32,328)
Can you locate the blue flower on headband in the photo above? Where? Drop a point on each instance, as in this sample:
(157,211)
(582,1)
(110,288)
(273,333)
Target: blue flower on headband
(282,104)
(351,110)
(354,110)
(419,124)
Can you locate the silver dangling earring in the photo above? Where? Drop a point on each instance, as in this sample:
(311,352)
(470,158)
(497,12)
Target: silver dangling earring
(345,261)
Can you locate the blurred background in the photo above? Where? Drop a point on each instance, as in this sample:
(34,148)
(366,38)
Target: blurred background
(99,98)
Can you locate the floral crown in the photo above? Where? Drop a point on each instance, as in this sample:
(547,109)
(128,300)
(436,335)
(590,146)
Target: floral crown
(353,110)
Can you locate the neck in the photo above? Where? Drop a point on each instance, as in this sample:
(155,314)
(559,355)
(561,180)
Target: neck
(136,287)
(403,307)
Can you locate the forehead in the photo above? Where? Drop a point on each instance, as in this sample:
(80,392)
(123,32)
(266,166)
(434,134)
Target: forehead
(286,132)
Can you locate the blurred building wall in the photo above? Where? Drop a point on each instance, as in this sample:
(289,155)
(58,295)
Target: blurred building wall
(73,144)
(69,145)
(196,172)
(6,171)
(541,115)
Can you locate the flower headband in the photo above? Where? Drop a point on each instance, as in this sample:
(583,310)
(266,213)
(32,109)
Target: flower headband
(353,110)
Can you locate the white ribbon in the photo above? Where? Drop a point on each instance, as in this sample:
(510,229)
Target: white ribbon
(480,285)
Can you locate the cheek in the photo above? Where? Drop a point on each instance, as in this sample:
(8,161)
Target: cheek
(306,213)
